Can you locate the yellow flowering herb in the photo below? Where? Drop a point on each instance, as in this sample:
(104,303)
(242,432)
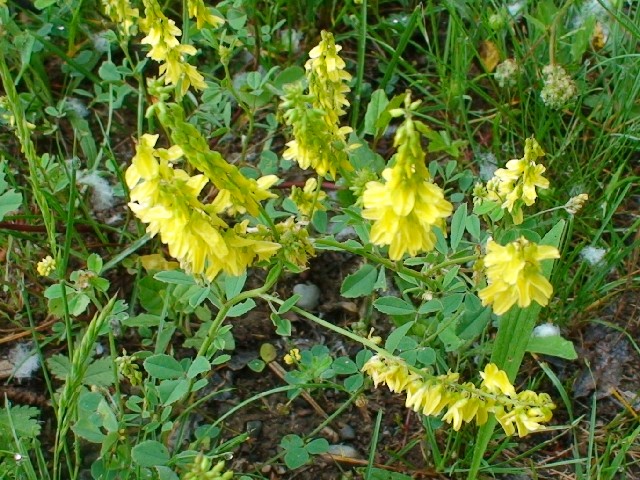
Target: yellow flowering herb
(239,193)
(166,199)
(515,185)
(162,36)
(199,11)
(328,78)
(407,206)
(123,14)
(319,140)
(295,246)
(308,199)
(463,403)
(46,266)
(514,275)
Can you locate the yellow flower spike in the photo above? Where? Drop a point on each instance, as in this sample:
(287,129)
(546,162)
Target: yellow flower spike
(319,140)
(162,37)
(514,275)
(463,403)
(408,205)
(516,184)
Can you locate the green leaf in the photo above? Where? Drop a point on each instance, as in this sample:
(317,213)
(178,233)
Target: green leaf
(283,326)
(296,457)
(354,382)
(108,72)
(426,355)
(377,105)
(431,306)
(241,308)
(268,352)
(175,277)
(99,373)
(199,365)
(380,474)
(234,285)
(458,226)
(555,345)
(163,366)
(42,4)
(291,441)
(170,391)
(289,304)
(150,453)
(344,366)
(9,202)
(24,421)
(317,446)
(256,365)
(360,283)
(395,337)
(393,306)
(59,366)
(472,224)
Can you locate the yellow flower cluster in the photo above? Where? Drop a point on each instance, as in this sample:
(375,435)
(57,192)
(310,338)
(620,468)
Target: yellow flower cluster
(293,356)
(308,199)
(515,185)
(295,245)
(462,403)
(46,266)
(162,36)
(319,140)
(514,276)
(408,205)
(237,193)
(166,198)
(123,14)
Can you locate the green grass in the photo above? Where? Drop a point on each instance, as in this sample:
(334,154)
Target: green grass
(49,147)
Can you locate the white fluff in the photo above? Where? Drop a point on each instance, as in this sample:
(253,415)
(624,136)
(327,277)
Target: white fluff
(546,330)
(593,255)
(103,196)
(25,362)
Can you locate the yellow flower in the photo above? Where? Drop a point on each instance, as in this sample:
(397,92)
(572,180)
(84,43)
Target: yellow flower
(293,356)
(123,15)
(516,184)
(514,276)
(404,211)
(166,199)
(431,395)
(46,266)
(496,381)
(162,36)
(328,78)
(308,199)
(199,11)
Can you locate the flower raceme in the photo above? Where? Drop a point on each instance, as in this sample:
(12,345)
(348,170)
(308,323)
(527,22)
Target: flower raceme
(166,198)
(514,276)
(515,186)
(431,395)
(319,142)
(162,36)
(407,206)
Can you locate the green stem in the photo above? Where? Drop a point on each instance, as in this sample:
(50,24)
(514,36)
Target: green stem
(362,43)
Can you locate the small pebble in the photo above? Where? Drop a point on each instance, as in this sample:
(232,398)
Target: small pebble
(254,428)
(347,433)
(342,450)
(309,295)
